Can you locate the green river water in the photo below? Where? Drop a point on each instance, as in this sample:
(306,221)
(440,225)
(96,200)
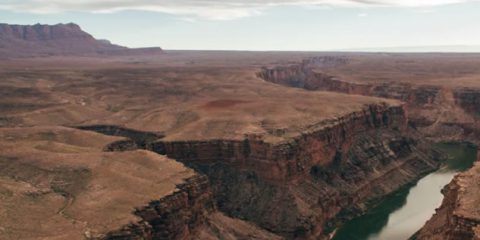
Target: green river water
(405,211)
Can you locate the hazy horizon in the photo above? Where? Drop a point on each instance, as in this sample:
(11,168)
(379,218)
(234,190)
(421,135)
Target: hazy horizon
(275,25)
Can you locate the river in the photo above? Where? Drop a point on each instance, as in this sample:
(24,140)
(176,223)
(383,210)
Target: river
(405,211)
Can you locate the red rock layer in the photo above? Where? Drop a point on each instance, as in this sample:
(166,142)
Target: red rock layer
(458,217)
(293,157)
(441,113)
(304,185)
(303,76)
(175,216)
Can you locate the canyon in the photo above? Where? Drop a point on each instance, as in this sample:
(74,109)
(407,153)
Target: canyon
(225,145)
(440,109)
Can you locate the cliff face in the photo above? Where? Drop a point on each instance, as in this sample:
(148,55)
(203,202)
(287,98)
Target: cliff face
(303,76)
(293,157)
(187,213)
(176,216)
(60,39)
(304,186)
(458,217)
(441,113)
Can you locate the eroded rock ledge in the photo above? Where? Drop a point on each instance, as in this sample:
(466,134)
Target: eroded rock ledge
(459,216)
(175,216)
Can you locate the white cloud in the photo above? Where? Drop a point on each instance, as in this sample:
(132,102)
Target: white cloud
(206,9)
(363,15)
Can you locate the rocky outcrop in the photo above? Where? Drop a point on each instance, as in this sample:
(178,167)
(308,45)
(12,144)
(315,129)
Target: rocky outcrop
(458,217)
(176,216)
(59,39)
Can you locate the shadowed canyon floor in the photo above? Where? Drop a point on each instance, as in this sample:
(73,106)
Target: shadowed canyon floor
(258,159)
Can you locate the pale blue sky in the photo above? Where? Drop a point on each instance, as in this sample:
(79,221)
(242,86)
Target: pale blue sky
(261,25)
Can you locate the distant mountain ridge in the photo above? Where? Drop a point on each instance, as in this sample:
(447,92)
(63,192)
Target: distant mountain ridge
(59,39)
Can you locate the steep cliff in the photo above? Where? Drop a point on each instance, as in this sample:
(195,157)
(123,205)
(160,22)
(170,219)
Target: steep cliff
(58,182)
(305,76)
(304,186)
(176,216)
(459,216)
(439,112)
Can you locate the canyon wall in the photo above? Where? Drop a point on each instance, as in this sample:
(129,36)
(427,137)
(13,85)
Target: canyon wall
(292,157)
(441,113)
(304,76)
(458,217)
(304,186)
(176,216)
(189,212)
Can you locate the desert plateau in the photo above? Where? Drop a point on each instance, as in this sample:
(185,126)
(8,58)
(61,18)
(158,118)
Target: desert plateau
(101,141)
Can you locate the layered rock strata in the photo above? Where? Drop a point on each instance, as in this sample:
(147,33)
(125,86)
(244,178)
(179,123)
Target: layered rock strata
(459,216)
(440,112)
(305,185)
(323,176)
(176,216)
